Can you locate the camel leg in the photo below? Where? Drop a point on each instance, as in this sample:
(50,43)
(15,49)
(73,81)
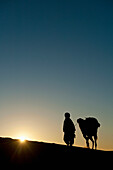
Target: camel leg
(95,138)
(87,142)
(92,142)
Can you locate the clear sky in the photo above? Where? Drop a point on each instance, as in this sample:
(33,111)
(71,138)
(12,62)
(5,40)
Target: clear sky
(56,56)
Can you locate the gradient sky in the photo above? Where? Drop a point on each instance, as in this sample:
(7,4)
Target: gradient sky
(56,56)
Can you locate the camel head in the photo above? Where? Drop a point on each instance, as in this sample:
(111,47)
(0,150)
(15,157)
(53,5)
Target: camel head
(79,121)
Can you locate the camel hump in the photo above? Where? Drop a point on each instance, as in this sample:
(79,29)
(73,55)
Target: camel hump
(93,121)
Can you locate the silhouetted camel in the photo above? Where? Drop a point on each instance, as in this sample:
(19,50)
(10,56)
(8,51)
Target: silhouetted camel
(89,128)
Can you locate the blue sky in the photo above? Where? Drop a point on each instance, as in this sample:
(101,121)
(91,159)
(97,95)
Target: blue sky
(56,56)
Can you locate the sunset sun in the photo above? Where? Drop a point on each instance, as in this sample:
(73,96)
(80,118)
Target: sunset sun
(22,138)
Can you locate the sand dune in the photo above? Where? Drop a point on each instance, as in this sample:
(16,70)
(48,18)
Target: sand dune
(33,155)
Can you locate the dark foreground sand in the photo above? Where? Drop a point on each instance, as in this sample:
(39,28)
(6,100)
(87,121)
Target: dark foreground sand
(37,155)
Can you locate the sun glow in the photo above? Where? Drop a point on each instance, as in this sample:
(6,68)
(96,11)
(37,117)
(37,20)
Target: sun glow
(22,138)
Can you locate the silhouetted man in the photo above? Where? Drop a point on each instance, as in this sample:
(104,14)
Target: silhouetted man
(69,130)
